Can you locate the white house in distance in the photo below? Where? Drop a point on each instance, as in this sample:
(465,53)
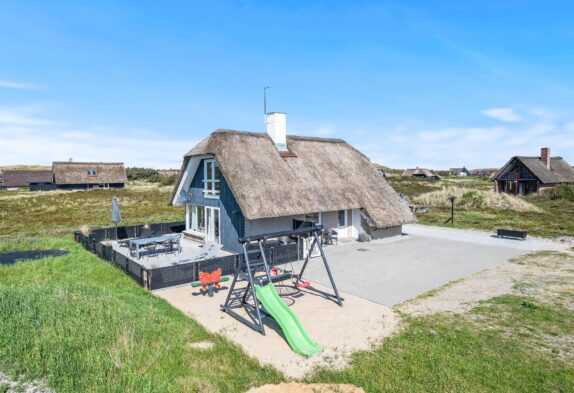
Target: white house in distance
(237,183)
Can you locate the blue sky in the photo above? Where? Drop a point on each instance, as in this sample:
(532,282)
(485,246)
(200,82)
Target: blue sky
(438,84)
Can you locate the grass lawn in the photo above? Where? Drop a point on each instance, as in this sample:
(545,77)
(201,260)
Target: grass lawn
(555,219)
(24,213)
(84,326)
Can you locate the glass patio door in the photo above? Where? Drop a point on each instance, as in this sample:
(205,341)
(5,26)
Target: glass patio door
(212,224)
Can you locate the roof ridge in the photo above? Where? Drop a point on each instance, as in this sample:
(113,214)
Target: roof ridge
(264,134)
(88,162)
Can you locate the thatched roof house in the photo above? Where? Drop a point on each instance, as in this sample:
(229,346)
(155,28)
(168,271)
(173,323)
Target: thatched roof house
(525,175)
(483,172)
(23,178)
(84,175)
(421,173)
(458,172)
(276,179)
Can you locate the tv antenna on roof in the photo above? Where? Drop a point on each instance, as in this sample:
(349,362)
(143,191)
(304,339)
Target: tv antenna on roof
(265,99)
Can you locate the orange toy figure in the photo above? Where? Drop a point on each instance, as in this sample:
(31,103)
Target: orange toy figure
(209,281)
(215,276)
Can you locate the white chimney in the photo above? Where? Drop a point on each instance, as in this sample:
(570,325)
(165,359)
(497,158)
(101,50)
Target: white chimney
(276,123)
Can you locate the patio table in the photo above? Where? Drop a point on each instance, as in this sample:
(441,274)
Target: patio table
(138,243)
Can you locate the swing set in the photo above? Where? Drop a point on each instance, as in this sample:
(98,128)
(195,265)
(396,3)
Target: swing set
(259,297)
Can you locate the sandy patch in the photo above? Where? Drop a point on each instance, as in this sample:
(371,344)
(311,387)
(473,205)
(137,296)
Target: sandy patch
(463,295)
(340,331)
(9,385)
(202,345)
(293,387)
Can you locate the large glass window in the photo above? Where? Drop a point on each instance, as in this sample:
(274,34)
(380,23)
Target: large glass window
(198,218)
(211,179)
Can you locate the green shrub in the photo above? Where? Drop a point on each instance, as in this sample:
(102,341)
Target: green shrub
(565,192)
(142,174)
(168,180)
(473,199)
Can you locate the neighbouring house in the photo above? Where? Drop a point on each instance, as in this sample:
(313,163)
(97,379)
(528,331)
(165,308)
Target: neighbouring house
(237,183)
(421,173)
(383,172)
(70,175)
(483,172)
(13,178)
(527,175)
(168,172)
(458,172)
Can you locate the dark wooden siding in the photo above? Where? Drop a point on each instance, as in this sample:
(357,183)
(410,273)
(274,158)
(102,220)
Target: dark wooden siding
(232,222)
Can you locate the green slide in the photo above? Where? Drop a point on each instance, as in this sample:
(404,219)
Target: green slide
(296,336)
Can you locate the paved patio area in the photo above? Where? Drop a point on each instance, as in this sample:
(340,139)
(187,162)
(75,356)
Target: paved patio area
(190,251)
(390,271)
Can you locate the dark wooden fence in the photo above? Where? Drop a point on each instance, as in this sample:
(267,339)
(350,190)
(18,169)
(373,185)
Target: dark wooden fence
(163,277)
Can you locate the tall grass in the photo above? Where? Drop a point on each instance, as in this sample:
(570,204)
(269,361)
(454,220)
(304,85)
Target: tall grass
(27,213)
(468,198)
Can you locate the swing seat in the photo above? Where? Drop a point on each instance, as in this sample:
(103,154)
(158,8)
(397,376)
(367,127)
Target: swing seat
(304,284)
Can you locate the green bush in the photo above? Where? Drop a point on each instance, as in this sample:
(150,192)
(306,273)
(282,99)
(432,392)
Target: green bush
(168,180)
(142,174)
(473,199)
(565,192)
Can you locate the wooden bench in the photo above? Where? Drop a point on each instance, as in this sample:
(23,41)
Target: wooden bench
(510,233)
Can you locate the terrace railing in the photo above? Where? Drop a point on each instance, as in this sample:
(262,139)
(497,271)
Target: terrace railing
(183,273)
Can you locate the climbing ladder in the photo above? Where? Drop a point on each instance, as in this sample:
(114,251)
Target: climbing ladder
(254,262)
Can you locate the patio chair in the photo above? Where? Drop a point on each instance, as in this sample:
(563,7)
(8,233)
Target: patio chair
(331,236)
(132,249)
(178,241)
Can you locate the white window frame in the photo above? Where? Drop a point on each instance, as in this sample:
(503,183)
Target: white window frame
(208,217)
(209,189)
(194,224)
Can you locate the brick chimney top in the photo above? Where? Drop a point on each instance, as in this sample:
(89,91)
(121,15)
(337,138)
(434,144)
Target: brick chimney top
(545,156)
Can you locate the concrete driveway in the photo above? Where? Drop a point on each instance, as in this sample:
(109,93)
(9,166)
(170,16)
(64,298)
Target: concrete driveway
(390,271)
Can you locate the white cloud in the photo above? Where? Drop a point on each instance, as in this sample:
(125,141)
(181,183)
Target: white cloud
(419,144)
(17,85)
(27,139)
(22,116)
(503,114)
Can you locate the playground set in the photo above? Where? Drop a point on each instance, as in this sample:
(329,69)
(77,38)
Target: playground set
(259,298)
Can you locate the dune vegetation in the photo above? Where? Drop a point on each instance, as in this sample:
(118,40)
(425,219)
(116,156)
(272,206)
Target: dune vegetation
(468,198)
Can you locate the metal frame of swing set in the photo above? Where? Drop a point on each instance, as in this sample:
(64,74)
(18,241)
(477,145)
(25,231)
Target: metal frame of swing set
(247,270)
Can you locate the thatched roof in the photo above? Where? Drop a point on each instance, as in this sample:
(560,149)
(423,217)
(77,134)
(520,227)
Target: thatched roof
(420,172)
(560,171)
(458,171)
(320,175)
(77,172)
(483,171)
(21,178)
